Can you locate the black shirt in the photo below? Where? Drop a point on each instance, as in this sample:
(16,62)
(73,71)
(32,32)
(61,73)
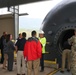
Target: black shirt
(1,41)
(20,44)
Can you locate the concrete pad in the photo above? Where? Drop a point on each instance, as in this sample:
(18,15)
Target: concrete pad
(65,73)
(14,72)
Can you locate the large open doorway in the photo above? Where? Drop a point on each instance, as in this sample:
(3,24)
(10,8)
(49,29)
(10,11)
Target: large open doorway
(65,35)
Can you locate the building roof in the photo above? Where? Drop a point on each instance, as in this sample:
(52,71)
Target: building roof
(7,3)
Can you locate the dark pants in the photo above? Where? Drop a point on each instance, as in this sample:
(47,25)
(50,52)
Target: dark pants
(10,61)
(2,56)
(42,62)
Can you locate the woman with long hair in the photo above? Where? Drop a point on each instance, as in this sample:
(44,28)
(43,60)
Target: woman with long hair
(10,51)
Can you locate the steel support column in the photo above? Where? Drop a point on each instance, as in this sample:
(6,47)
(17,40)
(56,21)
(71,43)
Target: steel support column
(16,21)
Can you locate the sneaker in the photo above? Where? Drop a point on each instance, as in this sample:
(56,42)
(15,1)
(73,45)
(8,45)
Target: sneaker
(41,70)
(3,67)
(68,70)
(62,71)
(23,74)
(18,74)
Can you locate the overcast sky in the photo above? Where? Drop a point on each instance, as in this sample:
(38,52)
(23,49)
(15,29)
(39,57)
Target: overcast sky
(39,9)
(37,12)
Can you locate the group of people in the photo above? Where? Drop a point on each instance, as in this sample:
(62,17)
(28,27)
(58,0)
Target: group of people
(7,50)
(69,53)
(29,51)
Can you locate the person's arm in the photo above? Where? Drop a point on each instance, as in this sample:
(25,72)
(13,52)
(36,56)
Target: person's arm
(70,40)
(17,45)
(12,45)
(44,42)
(25,51)
(39,49)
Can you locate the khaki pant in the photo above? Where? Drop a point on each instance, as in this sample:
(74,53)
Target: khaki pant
(73,61)
(66,55)
(20,58)
(5,60)
(35,64)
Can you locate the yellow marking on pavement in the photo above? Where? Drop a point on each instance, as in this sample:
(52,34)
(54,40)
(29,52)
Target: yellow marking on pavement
(53,72)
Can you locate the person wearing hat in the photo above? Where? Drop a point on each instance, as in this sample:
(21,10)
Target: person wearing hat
(43,44)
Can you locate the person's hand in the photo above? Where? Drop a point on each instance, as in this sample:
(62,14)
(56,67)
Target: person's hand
(25,59)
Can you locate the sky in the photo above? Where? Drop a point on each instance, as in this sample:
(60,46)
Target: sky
(37,12)
(38,9)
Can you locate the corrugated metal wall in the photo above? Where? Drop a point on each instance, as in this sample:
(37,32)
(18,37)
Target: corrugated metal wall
(7,24)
